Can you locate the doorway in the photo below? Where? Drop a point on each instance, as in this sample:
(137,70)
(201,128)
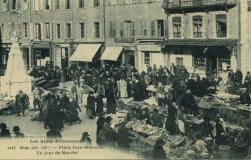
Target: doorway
(211,64)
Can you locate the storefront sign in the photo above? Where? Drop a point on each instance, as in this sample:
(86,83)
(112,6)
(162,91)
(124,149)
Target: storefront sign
(124,40)
(153,48)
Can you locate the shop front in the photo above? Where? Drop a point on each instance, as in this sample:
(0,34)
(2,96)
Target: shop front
(150,55)
(205,57)
(61,55)
(87,55)
(41,54)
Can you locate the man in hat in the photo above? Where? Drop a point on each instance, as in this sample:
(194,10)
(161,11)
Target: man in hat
(18,134)
(244,96)
(5,133)
(86,138)
(189,103)
(90,105)
(247,82)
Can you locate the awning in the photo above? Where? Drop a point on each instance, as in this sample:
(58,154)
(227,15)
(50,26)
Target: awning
(85,52)
(111,53)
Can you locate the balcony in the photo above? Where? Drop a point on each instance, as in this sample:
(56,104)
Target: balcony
(197,34)
(178,6)
(177,34)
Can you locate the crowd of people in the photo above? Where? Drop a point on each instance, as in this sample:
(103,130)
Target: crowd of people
(173,87)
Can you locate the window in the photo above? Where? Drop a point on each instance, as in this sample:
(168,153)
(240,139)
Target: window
(96,3)
(58,31)
(67,4)
(128,25)
(143,28)
(47,31)
(96,29)
(81,3)
(133,29)
(14,5)
(197,26)
(2,31)
(37,31)
(68,30)
(25,30)
(112,31)
(47,4)
(221,25)
(160,28)
(177,27)
(57,4)
(38,5)
(199,61)
(82,30)
(24,4)
(4,5)
(147,58)
(121,29)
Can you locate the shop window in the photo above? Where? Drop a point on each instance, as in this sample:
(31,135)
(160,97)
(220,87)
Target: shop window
(25,30)
(82,30)
(224,64)
(96,3)
(96,29)
(199,61)
(112,31)
(58,30)
(160,28)
(47,31)
(57,4)
(81,3)
(221,25)
(177,27)
(68,30)
(67,4)
(38,31)
(197,26)
(147,58)
(179,61)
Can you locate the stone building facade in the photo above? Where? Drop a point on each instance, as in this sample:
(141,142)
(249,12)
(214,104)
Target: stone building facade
(206,36)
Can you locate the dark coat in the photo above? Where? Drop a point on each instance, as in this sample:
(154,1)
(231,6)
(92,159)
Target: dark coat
(90,104)
(5,133)
(100,104)
(157,120)
(74,107)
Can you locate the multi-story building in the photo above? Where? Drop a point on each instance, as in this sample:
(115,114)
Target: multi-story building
(133,27)
(208,35)
(52,29)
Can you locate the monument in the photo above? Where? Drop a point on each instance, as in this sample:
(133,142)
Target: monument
(16,76)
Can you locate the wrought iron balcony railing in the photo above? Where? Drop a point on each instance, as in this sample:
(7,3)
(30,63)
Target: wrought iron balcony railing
(175,6)
(197,34)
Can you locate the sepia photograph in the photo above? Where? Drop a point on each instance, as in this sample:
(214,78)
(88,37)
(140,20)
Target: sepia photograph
(125,79)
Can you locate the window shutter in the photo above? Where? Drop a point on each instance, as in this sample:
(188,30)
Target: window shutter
(153,28)
(166,28)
